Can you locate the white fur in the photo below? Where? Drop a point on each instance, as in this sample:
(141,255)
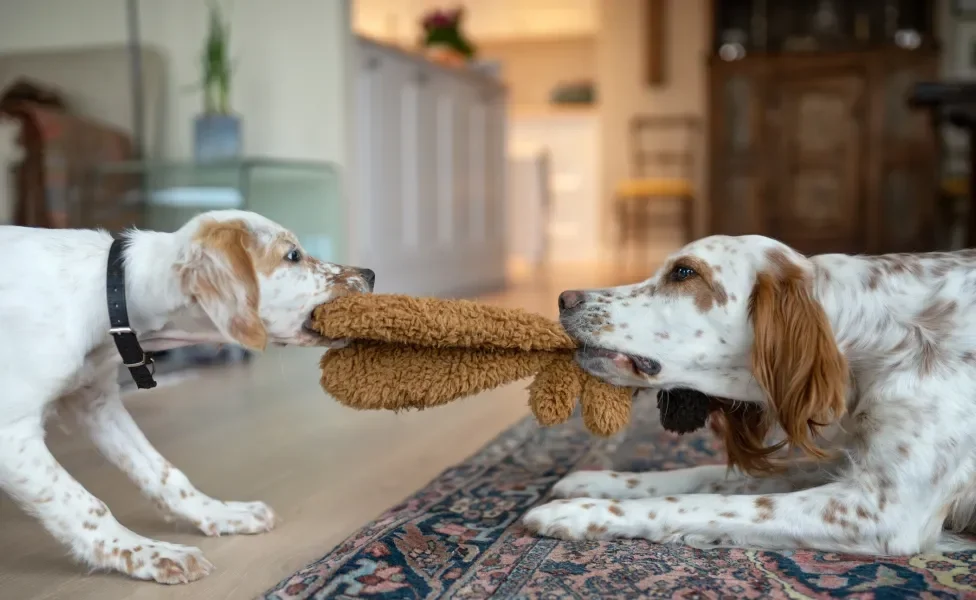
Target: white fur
(906,449)
(57,355)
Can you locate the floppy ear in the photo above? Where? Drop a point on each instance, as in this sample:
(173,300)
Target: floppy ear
(795,357)
(220,276)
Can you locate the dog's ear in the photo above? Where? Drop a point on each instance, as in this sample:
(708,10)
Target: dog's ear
(795,358)
(219,275)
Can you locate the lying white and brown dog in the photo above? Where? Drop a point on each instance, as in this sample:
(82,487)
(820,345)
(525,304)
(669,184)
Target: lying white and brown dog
(225,277)
(865,363)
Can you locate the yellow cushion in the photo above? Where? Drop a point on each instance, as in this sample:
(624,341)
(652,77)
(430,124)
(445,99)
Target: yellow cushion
(630,188)
(955,186)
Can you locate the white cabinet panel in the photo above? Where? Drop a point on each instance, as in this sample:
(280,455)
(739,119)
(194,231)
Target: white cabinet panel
(431,174)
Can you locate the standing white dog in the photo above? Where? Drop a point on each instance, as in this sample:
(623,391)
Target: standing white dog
(225,277)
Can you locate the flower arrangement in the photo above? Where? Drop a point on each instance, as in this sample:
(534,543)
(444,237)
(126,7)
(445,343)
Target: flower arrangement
(443,38)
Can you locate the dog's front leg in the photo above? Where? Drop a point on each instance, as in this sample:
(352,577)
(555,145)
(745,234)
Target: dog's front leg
(41,486)
(716,479)
(118,438)
(838,517)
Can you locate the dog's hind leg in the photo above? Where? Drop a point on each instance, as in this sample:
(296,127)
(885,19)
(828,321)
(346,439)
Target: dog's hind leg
(31,475)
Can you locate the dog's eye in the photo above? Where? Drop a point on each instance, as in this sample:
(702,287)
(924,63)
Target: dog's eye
(681,273)
(293,256)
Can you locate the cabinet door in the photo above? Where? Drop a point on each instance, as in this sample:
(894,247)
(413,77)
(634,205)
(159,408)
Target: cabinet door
(736,167)
(816,202)
(907,166)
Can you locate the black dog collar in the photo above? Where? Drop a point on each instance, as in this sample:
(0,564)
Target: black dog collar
(139,363)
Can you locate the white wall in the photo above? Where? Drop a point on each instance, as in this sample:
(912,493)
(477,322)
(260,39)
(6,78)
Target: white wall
(291,85)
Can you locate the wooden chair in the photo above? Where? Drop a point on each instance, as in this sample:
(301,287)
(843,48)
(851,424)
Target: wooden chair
(665,152)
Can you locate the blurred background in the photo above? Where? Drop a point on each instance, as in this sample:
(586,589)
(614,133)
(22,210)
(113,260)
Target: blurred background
(456,147)
(503,149)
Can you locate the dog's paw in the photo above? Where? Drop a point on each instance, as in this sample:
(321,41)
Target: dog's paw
(153,561)
(607,485)
(578,519)
(236,518)
(172,563)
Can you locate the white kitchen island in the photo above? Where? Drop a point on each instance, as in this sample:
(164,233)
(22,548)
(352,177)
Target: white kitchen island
(428,202)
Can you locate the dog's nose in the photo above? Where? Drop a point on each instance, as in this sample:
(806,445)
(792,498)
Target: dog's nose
(570,299)
(369,276)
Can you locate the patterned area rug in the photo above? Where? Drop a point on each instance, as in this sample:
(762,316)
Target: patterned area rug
(460,537)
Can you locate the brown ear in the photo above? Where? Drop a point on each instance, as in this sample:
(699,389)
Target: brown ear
(795,358)
(220,276)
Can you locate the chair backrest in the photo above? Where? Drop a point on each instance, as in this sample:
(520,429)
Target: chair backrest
(665,146)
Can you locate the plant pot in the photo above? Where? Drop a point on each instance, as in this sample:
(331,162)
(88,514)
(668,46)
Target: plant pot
(445,55)
(217,137)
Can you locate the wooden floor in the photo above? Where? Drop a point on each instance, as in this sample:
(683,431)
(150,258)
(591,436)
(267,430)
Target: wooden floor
(266,432)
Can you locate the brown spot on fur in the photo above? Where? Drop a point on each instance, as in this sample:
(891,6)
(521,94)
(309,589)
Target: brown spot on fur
(127,558)
(89,525)
(616,510)
(831,511)
(728,515)
(706,291)
(903,450)
(168,567)
(874,278)
(589,505)
(270,256)
(99,551)
(671,499)
(933,323)
(764,509)
(632,482)
(652,515)
(595,529)
(614,475)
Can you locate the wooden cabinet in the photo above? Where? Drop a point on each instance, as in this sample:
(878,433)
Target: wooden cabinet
(819,148)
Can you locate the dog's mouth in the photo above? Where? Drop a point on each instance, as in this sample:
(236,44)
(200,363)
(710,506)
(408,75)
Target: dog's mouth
(604,361)
(309,330)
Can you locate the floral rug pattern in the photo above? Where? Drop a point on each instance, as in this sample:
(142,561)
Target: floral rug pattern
(460,537)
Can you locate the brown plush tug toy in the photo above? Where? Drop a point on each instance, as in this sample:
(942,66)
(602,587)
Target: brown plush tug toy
(417,353)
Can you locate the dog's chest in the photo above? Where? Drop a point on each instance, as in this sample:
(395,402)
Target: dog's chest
(100,367)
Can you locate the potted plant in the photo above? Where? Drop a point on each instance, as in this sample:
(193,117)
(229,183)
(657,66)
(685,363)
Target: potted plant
(217,132)
(442,38)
